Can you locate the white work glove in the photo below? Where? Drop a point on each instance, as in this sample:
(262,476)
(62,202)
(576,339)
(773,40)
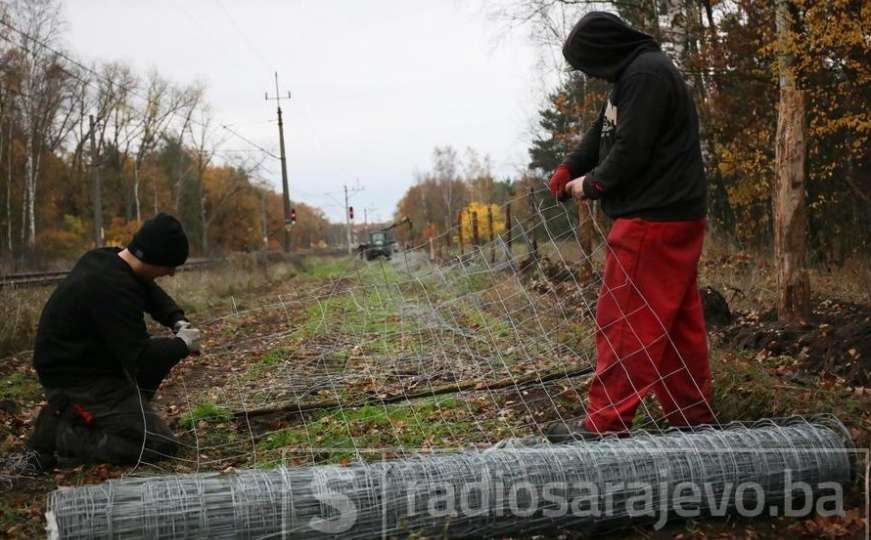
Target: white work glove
(190,336)
(179,325)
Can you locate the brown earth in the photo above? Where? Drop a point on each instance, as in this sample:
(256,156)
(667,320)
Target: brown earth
(836,341)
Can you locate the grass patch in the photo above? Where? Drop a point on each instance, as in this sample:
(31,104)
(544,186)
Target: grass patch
(205,411)
(320,268)
(19,386)
(271,359)
(489,325)
(19,315)
(356,313)
(274,357)
(420,424)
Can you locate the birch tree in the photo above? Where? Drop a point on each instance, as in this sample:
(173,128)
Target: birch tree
(46,100)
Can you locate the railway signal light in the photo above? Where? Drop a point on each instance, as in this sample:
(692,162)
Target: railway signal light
(350,212)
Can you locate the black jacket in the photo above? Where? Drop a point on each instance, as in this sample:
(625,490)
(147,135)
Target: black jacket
(642,155)
(93,325)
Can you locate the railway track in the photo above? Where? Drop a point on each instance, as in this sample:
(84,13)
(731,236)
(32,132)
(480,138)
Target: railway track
(40,279)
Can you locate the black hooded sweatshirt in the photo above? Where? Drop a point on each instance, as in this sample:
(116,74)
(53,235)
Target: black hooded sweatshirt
(642,155)
(94,326)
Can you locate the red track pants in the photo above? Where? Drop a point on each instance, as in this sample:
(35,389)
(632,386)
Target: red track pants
(651,328)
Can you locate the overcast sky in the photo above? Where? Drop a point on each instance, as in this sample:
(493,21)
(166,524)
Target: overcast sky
(375,84)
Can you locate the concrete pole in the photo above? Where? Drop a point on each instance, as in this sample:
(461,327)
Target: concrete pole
(348,219)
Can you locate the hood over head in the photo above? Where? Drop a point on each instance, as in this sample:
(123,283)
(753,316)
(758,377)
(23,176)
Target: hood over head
(602,45)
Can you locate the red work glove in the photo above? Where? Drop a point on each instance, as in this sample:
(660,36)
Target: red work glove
(561,176)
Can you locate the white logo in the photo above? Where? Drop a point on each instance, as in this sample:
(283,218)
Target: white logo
(609,123)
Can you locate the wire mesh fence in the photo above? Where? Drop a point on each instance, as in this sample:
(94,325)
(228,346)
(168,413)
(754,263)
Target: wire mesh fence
(361,379)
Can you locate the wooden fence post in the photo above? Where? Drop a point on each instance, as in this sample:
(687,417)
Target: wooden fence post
(508,228)
(533,252)
(490,226)
(475,236)
(460,230)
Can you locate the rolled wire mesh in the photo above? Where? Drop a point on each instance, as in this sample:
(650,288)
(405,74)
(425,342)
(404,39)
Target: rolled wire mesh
(497,492)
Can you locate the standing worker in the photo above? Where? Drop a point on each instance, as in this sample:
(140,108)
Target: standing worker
(642,159)
(99,367)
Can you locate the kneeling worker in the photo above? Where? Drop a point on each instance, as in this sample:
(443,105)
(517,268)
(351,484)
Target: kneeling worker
(95,359)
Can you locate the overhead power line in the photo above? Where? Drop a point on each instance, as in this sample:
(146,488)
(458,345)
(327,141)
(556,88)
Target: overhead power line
(249,141)
(243,36)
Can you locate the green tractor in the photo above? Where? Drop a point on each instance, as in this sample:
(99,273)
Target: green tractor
(381,242)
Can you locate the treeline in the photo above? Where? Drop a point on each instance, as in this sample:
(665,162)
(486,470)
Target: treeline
(89,151)
(731,54)
(454,183)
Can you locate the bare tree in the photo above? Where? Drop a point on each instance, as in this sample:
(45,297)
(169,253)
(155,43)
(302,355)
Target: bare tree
(188,100)
(203,150)
(5,101)
(161,104)
(46,100)
(100,100)
(790,213)
(445,173)
(120,83)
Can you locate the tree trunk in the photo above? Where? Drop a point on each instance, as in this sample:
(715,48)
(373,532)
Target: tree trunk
(97,188)
(204,226)
(673,25)
(9,158)
(136,201)
(790,214)
(32,168)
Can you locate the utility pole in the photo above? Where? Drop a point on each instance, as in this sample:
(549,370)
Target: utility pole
(366,222)
(348,219)
(285,190)
(349,210)
(97,188)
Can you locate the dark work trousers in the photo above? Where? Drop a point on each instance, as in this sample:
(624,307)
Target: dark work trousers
(106,420)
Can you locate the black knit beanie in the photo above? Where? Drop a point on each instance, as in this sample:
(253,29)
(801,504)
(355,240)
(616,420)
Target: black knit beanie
(160,241)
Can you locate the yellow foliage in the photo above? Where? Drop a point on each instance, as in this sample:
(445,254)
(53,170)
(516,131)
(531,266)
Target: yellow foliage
(476,210)
(69,241)
(120,232)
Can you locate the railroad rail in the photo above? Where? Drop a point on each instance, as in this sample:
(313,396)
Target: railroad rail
(40,279)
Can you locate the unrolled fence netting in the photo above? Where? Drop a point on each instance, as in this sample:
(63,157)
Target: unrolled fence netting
(478,339)
(486,333)
(481,334)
